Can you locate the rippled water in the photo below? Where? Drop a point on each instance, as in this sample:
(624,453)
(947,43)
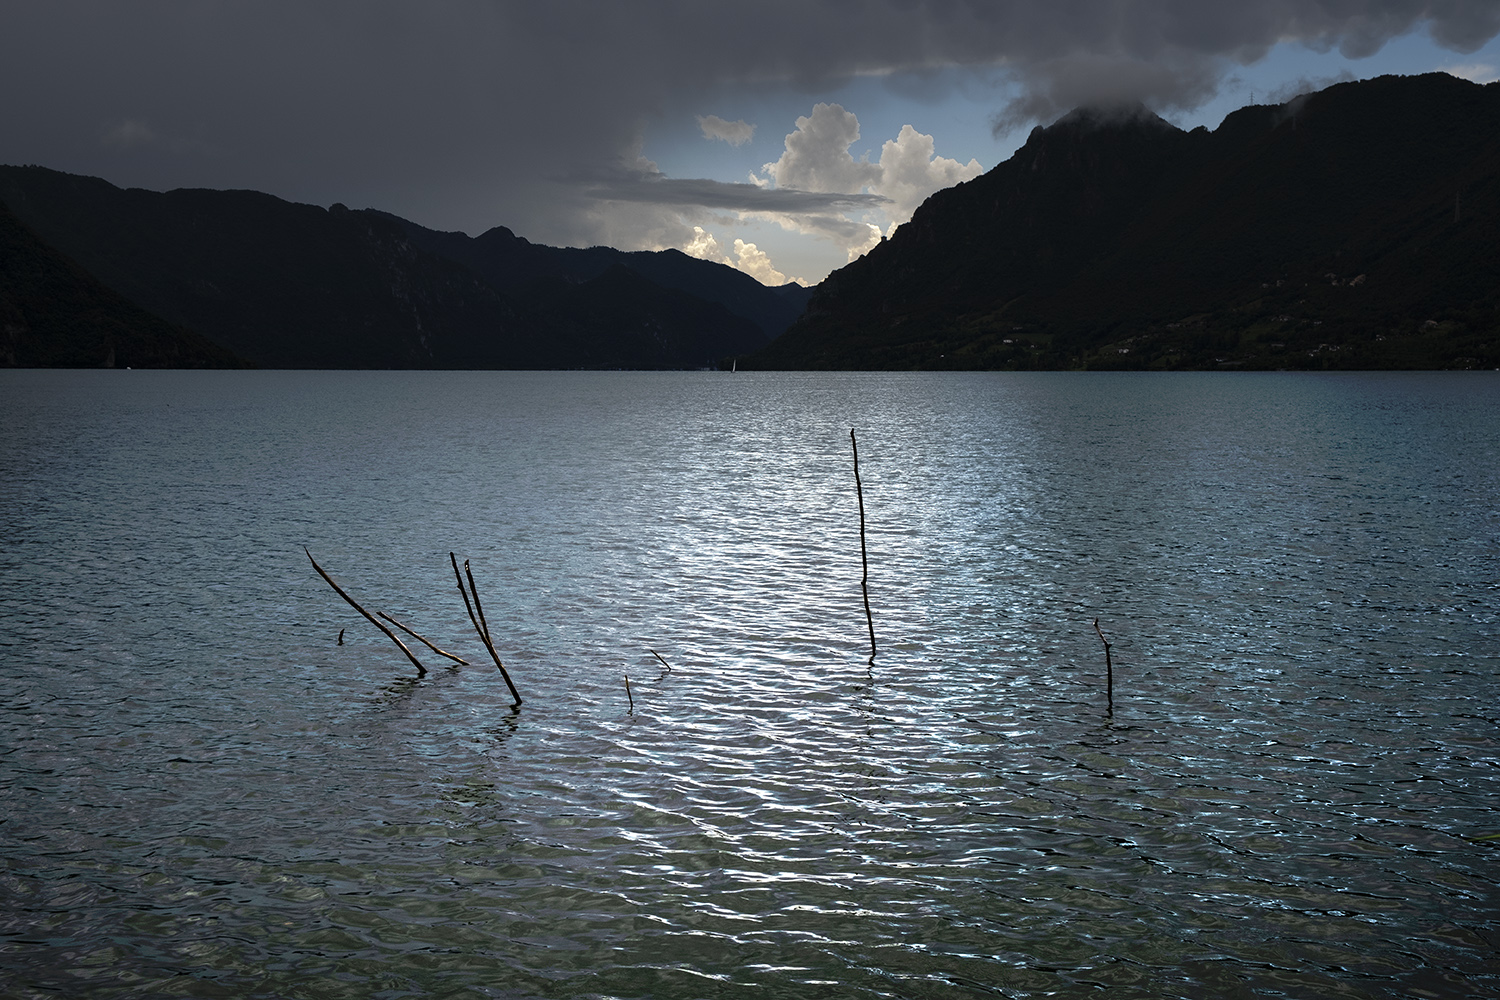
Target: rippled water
(205,795)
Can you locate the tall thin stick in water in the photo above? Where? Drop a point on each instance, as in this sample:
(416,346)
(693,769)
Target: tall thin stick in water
(422,639)
(663,662)
(480,625)
(1109,671)
(863,554)
(629,695)
(421,670)
(477,606)
(465,594)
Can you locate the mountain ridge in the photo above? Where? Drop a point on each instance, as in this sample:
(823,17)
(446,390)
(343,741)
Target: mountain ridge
(1355,227)
(290,285)
(55,314)
(1131,243)
(512,263)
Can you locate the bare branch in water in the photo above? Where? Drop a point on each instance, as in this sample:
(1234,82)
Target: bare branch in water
(864,557)
(422,639)
(421,670)
(1109,670)
(480,625)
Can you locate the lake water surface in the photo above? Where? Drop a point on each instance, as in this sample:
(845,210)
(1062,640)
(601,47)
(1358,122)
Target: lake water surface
(202,794)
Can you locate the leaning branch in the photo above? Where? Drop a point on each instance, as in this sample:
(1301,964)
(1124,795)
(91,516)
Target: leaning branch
(421,670)
(422,639)
(663,662)
(465,594)
(477,606)
(480,625)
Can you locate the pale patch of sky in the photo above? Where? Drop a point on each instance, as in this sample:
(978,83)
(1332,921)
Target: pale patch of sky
(1475,72)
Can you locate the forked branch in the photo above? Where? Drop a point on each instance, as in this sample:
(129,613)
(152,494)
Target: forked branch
(480,625)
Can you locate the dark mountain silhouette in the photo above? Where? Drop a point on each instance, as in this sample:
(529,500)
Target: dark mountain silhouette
(296,286)
(619,319)
(1358,227)
(54,314)
(512,264)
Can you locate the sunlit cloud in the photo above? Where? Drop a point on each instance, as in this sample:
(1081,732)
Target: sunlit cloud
(911,171)
(747,257)
(736,133)
(704,246)
(817,157)
(817,188)
(757,263)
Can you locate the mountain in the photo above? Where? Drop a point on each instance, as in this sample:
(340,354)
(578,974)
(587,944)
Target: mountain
(620,319)
(1357,227)
(297,286)
(54,314)
(513,264)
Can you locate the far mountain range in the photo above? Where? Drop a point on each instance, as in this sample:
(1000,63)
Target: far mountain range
(1358,227)
(284,285)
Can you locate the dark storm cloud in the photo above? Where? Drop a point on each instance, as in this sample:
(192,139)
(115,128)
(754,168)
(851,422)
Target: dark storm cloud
(467,113)
(655,189)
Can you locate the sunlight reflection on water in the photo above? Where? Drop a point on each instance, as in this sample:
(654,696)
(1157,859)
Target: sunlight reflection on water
(206,796)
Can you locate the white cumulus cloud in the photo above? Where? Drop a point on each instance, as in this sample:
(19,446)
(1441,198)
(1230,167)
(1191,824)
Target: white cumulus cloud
(817,158)
(736,133)
(911,170)
(747,257)
(757,263)
(817,188)
(704,246)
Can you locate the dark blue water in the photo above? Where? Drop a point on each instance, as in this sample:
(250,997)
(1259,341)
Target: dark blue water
(205,795)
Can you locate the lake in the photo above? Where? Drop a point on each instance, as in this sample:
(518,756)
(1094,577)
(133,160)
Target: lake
(206,795)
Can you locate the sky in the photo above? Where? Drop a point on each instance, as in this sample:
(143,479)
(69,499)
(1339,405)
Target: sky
(782,137)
